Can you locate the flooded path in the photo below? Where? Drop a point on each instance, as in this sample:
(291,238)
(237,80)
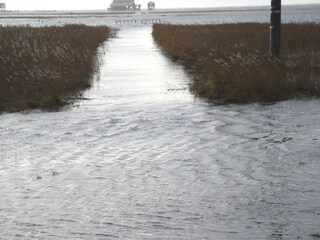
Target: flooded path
(142,159)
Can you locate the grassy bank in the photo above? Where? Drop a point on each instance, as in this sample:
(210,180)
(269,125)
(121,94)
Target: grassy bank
(39,67)
(231,62)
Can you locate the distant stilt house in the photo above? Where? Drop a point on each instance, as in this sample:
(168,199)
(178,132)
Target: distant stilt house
(151,5)
(2,6)
(124,5)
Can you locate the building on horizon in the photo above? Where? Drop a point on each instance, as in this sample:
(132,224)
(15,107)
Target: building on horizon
(2,6)
(151,5)
(124,5)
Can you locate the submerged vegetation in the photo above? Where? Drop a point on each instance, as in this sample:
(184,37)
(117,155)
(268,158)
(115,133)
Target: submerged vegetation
(231,62)
(39,67)
(316,236)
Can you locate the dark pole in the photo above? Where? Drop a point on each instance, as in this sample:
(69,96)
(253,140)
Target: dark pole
(275,28)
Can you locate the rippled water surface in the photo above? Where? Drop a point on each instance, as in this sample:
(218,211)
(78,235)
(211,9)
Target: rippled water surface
(143,159)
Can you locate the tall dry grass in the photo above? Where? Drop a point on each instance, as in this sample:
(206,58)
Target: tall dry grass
(39,66)
(231,62)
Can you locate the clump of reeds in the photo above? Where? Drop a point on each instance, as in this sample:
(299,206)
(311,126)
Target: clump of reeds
(231,62)
(315,236)
(39,67)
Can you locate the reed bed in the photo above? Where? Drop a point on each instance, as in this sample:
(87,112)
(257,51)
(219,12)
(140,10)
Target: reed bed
(231,62)
(39,67)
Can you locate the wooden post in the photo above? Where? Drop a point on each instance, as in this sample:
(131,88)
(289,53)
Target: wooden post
(275,28)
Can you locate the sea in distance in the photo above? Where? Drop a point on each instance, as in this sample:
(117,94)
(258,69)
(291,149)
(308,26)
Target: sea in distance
(291,13)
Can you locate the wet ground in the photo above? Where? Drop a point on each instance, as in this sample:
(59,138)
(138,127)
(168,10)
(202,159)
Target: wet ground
(143,159)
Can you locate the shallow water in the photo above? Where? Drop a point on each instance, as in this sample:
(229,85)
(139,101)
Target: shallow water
(143,159)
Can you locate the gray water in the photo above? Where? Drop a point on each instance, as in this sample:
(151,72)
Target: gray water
(142,158)
(302,13)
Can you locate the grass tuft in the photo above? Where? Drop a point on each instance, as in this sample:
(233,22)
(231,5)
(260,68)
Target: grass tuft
(231,62)
(315,236)
(40,66)
(54,103)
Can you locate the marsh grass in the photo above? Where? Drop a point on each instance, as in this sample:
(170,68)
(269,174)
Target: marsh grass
(315,236)
(231,62)
(39,67)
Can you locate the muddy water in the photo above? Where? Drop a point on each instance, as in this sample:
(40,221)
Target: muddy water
(143,159)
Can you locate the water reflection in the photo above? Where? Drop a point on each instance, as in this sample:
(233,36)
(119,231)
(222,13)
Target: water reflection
(136,72)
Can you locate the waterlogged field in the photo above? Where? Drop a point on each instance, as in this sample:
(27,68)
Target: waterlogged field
(142,158)
(40,66)
(232,62)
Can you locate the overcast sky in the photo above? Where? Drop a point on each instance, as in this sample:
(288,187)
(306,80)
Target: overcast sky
(103,4)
